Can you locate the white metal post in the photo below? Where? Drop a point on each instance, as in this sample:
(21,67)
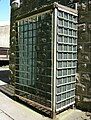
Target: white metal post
(54,35)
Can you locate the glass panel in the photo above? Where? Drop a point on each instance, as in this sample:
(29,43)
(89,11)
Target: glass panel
(35,59)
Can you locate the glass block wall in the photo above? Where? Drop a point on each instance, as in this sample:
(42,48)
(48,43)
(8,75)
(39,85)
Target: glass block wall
(46,57)
(66,58)
(33,77)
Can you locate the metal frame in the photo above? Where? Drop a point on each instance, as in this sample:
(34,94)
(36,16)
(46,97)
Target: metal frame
(66,9)
(54,20)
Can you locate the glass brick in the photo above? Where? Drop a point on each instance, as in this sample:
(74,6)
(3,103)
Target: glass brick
(59,64)
(60,14)
(65,23)
(70,24)
(60,22)
(66,39)
(64,64)
(60,39)
(66,31)
(64,72)
(59,73)
(60,55)
(65,15)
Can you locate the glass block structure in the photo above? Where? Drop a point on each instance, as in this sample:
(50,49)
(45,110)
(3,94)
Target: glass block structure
(46,57)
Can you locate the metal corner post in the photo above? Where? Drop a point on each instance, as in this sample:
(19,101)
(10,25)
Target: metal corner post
(54,35)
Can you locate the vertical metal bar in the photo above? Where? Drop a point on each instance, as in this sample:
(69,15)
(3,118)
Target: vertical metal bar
(17,50)
(54,35)
(31,57)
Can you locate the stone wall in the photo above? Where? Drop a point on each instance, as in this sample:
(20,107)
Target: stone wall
(83,90)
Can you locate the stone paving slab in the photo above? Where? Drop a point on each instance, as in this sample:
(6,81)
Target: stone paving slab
(3,116)
(17,111)
(72,115)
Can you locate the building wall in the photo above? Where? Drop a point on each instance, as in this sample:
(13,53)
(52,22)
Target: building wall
(4,42)
(84,55)
(4,36)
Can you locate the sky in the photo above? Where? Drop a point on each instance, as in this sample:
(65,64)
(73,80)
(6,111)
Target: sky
(4,11)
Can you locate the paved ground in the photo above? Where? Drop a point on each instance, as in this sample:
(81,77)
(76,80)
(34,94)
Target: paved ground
(11,110)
